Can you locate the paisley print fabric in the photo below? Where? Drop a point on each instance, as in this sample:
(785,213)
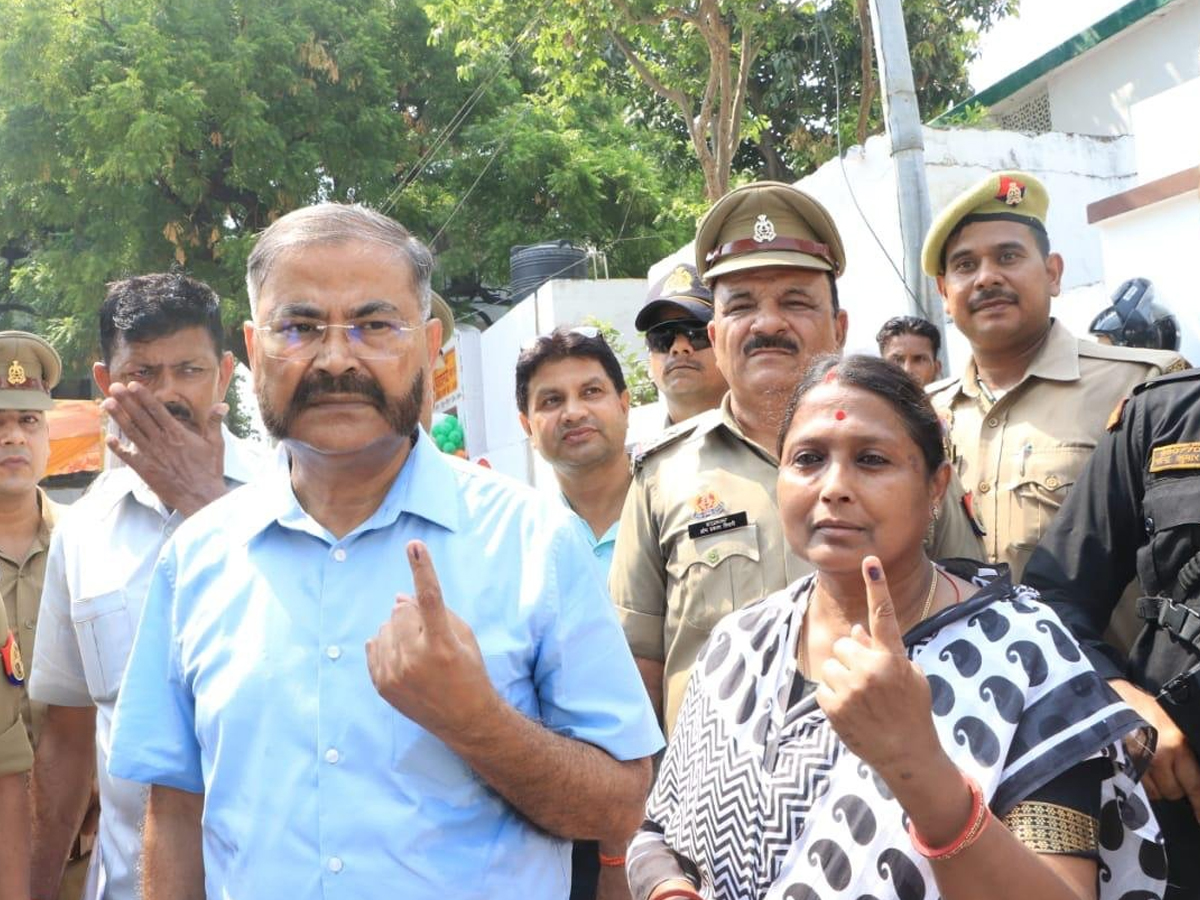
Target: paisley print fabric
(766,802)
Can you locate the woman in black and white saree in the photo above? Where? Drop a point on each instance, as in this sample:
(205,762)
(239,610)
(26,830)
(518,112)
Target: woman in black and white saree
(891,729)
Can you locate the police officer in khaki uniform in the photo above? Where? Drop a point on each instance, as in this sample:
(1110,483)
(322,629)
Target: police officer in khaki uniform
(700,533)
(29,369)
(1026,414)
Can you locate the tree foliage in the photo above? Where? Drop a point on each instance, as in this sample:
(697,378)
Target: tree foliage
(136,135)
(751,84)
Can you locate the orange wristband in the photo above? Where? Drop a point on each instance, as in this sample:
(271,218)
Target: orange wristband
(613,861)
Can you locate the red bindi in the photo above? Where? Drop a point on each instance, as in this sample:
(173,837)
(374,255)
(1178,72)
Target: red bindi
(840,414)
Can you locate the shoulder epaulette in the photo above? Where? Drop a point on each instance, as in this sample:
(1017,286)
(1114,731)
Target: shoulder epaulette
(1168,378)
(668,438)
(1166,360)
(942,384)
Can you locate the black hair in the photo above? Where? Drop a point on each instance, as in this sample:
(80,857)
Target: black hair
(833,291)
(1040,237)
(889,383)
(565,343)
(898,325)
(153,306)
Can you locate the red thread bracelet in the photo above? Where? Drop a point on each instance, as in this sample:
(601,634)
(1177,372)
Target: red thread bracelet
(613,861)
(683,893)
(976,822)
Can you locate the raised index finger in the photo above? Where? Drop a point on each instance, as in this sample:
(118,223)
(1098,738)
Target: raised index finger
(426,588)
(885,628)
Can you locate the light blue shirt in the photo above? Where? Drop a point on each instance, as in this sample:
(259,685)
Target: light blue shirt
(602,547)
(248,682)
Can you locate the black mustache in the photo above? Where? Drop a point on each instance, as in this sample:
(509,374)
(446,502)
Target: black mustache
(320,383)
(986,296)
(179,411)
(769,342)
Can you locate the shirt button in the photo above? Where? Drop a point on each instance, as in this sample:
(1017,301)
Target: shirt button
(29,624)
(333,651)
(984,487)
(335,864)
(1052,481)
(339,554)
(993,422)
(332,756)
(712,556)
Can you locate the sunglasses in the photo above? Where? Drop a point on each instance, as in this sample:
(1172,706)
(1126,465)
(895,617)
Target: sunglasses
(661,338)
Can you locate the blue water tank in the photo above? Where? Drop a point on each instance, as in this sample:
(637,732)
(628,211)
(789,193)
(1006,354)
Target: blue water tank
(532,265)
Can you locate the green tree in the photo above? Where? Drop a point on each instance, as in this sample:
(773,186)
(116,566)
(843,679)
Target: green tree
(135,134)
(140,134)
(739,76)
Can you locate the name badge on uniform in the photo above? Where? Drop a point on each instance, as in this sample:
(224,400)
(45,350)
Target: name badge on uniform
(717,525)
(10,655)
(1172,457)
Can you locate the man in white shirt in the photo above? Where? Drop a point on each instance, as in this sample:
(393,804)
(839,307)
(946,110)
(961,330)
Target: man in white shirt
(164,373)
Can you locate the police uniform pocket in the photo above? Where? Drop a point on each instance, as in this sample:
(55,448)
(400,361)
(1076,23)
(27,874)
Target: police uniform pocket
(105,634)
(719,572)
(1046,477)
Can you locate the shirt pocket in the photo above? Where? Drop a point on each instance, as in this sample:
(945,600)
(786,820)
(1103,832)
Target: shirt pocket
(1171,509)
(1040,488)
(718,573)
(105,634)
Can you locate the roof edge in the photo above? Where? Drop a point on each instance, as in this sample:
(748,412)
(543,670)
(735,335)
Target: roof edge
(1115,22)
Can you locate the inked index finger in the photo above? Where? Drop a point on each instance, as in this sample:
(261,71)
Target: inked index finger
(426,588)
(881,611)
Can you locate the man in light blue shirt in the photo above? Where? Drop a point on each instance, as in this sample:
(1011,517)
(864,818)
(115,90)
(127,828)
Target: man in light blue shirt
(573,403)
(378,670)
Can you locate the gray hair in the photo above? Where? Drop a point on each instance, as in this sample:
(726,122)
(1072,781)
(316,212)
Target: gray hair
(337,223)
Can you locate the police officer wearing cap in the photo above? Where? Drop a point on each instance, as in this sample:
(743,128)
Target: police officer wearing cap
(682,363)
(29,369)
(700,533)
(1025,415)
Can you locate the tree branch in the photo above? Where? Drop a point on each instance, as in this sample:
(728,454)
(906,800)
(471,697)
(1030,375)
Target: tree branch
(867,95)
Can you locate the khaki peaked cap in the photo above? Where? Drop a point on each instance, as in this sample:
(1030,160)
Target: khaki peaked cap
(767,223)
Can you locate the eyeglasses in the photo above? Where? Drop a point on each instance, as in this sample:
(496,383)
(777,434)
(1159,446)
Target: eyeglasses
(661,338)
(376,338)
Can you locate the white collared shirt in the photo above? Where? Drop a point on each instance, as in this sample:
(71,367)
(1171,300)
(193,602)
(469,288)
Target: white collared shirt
(101,556)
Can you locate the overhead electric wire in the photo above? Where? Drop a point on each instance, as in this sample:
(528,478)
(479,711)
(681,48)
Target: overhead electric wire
(456,121)
(837,130)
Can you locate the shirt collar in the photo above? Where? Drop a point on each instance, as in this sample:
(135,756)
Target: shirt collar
(1056,360)
(727,419)
(427,486)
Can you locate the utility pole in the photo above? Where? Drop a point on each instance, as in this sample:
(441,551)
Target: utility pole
(903,118)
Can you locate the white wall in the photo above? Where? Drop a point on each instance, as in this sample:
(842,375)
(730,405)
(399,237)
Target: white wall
(1166,131)
(1093,94)
(1159,241)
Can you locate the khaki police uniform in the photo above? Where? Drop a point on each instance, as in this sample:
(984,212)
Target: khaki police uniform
(16,753)
(700,536)
(1019,451)
(21,587)
(1020,456)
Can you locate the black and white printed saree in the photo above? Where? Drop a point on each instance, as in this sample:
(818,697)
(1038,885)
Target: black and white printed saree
(762,800)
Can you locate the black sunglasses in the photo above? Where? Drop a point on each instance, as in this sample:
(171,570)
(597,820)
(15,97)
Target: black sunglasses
(661,338)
